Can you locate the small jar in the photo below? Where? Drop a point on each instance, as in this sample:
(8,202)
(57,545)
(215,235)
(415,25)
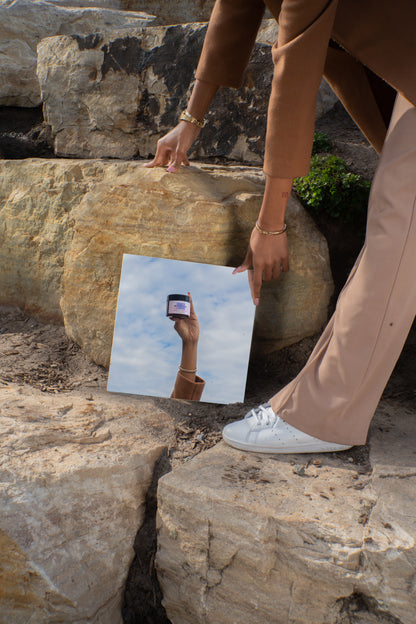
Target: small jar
(178,306)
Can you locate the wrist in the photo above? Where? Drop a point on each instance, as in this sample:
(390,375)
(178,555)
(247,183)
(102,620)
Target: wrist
(187,117)
(273,224)
(201,97)
(189,354)
(263,231)
(273,208)
(189,343)
(187,371)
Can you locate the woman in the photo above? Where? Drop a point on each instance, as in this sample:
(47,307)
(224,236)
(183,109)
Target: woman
(367,51)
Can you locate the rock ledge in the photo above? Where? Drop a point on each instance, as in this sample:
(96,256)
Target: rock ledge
(252,539)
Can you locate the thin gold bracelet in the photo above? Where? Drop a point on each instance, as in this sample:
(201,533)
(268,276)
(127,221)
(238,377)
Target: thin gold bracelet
(258,228)
(186,370)
(185,116)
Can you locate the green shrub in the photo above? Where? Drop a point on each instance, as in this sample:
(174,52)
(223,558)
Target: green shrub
(321,143)
(331,188)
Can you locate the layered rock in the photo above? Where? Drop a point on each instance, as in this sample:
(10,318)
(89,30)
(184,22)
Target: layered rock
(64,226)
(251,538)
(29,21)
(19,85)
(36,229)
(115,97)
(178,12)
(105,4)
(73,480)
(24,23)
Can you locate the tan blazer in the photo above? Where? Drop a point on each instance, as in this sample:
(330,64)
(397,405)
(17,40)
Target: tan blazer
(366,49)
(186,389)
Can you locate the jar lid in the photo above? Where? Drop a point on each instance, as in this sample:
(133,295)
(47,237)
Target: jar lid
(179,298)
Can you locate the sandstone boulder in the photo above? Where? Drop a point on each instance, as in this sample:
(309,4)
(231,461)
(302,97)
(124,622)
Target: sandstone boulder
(254,538)
(166,12)
(178,12)
(36,229)
(24,23)
(64,226)
(115,97)
(105,4)
(19,85)
(73,479)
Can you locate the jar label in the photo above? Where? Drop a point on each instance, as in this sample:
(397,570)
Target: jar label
(179,307)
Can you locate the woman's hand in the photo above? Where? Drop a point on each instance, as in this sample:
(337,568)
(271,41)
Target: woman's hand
(267,256)
(173,147)
(188,328)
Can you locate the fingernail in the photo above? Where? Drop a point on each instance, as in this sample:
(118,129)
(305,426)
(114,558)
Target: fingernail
(170,169)
(256,301)
(235,271)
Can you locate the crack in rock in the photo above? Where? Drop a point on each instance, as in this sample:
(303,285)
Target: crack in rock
(142,596)
(353,609)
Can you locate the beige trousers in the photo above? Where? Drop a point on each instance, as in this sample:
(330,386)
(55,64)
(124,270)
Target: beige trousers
(335,395)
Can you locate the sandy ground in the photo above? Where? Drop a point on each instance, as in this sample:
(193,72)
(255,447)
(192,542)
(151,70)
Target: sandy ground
(41,355)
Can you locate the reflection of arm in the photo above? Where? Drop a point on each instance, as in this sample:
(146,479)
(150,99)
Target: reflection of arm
(185,389)
(188,385)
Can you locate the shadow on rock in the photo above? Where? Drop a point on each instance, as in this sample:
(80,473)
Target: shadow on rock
(143,597)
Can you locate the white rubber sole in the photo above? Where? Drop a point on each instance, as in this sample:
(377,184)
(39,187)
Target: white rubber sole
(307,447)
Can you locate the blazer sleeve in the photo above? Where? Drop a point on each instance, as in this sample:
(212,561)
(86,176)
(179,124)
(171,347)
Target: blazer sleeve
(186,389)
(299,56)
(229,40)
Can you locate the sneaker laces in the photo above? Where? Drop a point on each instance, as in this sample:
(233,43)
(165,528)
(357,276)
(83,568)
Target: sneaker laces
(264,414)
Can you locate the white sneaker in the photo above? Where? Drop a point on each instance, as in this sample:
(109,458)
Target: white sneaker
(262,431)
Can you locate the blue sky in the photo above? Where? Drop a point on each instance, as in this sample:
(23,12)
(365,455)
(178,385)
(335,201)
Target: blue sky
(146,348)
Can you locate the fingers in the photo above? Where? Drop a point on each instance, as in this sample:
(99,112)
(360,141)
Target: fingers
(172,148)
(162,156)
(247,263)
(259,272)
(268,273)
(285,264)
(257,276)
(257,280)
(168,152)
(253,276)
(180,157)
(193,313)
(251,286)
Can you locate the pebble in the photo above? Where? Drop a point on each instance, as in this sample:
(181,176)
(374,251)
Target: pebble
(299,470)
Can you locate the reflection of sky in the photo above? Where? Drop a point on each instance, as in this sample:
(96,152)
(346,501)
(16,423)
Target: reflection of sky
(147,350)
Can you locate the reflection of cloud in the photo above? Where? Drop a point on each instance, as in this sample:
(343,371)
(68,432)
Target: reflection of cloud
(146,349)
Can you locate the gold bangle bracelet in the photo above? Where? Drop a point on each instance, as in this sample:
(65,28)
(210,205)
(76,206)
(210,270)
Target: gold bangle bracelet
(185,370)
(258,228)
(185,116)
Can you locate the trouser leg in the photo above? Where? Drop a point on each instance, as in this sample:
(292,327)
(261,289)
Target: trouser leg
(335,395)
